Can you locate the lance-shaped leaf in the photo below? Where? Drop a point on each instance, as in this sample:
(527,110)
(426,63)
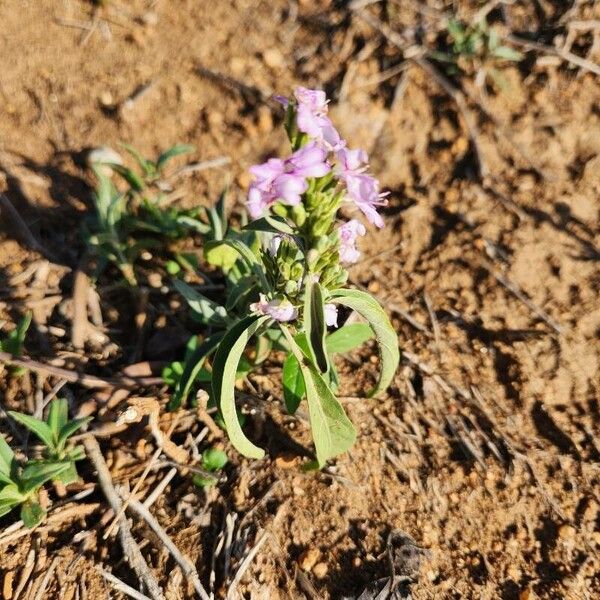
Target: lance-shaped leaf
(270,224)
(248,257)
(58,416)
(7,456)
(36,474)
(36,426)
(293,384)
(225,367)
(193,366)
(210,311)
(176,150)
(369,309)
(332,430)
(32,514)
(314,325)
(348,337)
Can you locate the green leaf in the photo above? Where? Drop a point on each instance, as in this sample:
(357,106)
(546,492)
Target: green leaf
(144,164)
(13,344)
(38,427)
(314,325)
(369,309)
(69,475)
(247,255)
(348,338)
(7,456)
(133,179)
(241,290)
(58,417)
(221,211)
(176,150)
(193,366)
(171,374)
(506,53)
(225,365)
(10,494)
(172,267)
(270,224)
(214,459)
(32,514)
(293,384)
(220,255)
(195,224)
(332,430)
(210,311)
(36,474)
(70,428)
(202,481)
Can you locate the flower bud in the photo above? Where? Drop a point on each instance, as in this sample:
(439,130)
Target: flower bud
(298,214)
(291,287)
(296,272)
(312,256)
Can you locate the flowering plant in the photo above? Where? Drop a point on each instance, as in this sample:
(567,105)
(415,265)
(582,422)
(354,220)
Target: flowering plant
(290,277)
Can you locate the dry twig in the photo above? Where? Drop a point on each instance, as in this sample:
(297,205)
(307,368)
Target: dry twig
(183,561)
(120,586)
(131,550)
(88,381)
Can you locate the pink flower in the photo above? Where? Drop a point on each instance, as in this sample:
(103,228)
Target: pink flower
(285,180)
(331,315)
(279,309)
(349,233)
(312,119)
(362,189)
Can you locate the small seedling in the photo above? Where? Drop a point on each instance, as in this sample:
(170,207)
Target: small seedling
(213,460)
(54,433)
(286,274)
(13,343)
(19,485)
(131,221)
(476,45)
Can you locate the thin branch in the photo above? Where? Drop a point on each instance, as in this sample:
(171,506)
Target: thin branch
(25,233)
(89,381)
(566,55)
(183,561)
(516,291)
(131,550)
(244,566)
(459,99)
(120,586)
(200,166)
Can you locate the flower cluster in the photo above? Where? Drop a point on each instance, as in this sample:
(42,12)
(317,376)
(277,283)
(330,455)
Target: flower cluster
(307,189)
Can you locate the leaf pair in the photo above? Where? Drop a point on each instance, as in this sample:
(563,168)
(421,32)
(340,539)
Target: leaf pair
(54,433)
(333,433)
(19,487)
(340,341)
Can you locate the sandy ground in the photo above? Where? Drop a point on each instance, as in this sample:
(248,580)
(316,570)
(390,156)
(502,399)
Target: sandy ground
(486,450)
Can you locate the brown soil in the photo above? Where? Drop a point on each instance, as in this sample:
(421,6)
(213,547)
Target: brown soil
(486,448)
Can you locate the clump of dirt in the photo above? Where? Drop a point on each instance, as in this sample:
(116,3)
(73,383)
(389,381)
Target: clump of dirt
(484,452)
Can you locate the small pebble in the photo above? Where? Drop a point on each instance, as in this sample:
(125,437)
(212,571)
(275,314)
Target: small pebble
(7,587)
(244,179)
(150,19)
(273,58)
(567,532)
(308,559)
(320,570)
(287,461)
